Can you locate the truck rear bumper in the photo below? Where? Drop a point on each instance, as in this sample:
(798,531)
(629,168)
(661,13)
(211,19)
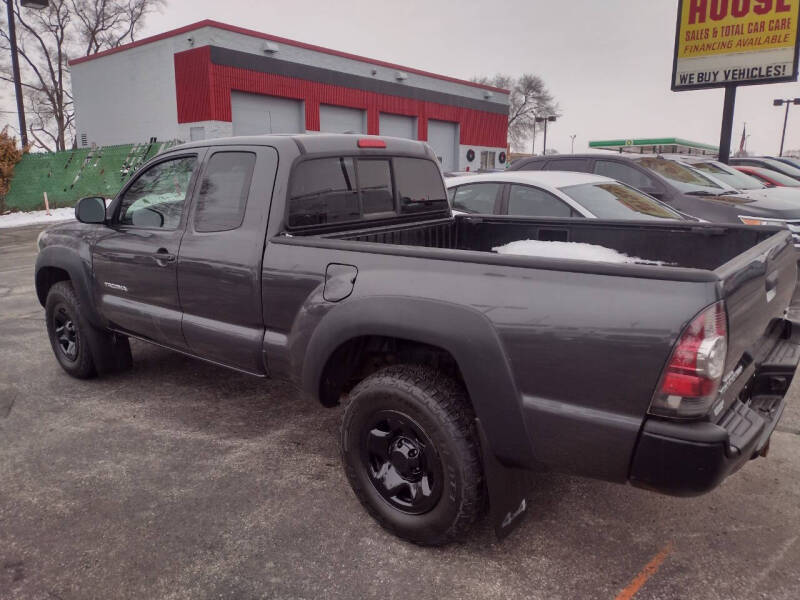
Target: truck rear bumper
(689,459)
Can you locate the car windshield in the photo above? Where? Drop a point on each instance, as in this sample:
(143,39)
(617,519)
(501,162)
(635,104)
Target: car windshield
(614,200)
(735,179)
(682,177)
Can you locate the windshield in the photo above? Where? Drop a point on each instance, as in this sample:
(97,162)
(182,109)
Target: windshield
(618,201)
(682,177)
(735,179)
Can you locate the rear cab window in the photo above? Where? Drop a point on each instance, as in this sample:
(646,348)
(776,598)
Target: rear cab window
(348,189)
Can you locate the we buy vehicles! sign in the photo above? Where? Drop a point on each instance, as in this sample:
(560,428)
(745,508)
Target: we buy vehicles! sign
(739,42)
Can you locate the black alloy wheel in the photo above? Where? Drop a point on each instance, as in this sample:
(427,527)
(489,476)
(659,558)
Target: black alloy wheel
(410,451)
(402,462)
(66,334)
(70,336)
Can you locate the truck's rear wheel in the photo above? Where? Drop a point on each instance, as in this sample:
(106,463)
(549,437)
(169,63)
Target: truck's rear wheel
(68,332)
(411,453)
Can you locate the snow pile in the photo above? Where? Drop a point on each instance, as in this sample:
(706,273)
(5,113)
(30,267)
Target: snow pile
(570,250)
(37,217)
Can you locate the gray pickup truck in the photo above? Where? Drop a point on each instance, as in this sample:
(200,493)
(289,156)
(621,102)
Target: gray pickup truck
(334,261)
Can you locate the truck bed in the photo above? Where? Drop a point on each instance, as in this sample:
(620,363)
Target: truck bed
(691,246)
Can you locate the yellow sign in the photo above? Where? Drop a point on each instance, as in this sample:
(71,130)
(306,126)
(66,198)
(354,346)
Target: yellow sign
(723,42)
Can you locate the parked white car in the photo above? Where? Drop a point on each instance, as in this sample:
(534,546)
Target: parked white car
(553,194)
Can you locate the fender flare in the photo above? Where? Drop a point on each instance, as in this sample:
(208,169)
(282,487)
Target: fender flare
(80,274)
(466,333)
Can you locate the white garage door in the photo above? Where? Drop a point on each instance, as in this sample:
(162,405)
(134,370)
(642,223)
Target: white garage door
(338,119)
(398,126)
(443,138)
(254,114)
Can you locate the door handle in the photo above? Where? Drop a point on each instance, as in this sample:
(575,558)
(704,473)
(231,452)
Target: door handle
(163,257)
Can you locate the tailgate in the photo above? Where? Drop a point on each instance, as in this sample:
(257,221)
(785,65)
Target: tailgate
(757,287)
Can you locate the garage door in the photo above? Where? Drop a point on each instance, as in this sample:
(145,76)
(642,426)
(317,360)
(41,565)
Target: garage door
(443,138)
(398,126)
(254,114)
(338,119)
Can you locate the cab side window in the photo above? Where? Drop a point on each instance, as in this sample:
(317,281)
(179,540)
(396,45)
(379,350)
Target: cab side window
(156,199)
(222,198)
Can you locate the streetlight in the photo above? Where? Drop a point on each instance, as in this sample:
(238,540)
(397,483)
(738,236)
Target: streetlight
(572,138)
(545,120)
(780,102)
(12,36)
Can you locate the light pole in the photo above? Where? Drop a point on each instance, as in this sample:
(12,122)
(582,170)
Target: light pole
(572,139)
(12,36)
(545,120)
(788,102)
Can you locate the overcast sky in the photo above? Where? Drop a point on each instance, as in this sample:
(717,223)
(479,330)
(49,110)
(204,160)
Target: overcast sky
(608,62)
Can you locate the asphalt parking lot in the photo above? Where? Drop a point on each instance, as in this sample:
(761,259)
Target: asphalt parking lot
(184,480)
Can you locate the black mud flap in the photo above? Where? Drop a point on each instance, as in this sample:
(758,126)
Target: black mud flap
(111,352)
(508,489)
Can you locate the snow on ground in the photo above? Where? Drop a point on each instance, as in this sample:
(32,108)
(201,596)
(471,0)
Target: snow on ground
(570,250)
(37,217)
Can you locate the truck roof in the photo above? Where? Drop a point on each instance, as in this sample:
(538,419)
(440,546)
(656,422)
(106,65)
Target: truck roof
(314,143)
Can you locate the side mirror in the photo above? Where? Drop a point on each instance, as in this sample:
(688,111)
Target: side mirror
(91,210)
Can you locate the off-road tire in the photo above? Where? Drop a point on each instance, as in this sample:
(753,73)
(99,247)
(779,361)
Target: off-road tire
(63,303)
(441,408)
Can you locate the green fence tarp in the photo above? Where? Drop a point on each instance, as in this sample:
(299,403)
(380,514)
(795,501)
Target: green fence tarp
(73,174)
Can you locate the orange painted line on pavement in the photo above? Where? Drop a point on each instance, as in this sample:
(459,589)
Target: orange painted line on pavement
(649,570)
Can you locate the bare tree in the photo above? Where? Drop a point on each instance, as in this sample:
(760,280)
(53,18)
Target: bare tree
(529,99)
(48,39)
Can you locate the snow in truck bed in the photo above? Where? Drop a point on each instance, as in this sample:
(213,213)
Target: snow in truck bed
(572,251)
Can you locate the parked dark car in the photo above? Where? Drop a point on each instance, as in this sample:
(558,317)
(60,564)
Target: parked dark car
(333,261)
(679,186)
(769,177)
(774,164)
(789,160)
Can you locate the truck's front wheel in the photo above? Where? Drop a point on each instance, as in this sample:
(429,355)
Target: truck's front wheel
(411,453)
(68,332)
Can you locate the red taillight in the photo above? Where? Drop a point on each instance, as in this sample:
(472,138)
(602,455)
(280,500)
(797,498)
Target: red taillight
(371,143)
(692,376)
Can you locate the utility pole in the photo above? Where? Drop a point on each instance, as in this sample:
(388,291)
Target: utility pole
(572,140)
(12,35)
(788,102)
(544,120)
(727,123)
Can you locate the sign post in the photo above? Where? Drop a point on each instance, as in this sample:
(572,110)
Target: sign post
(728,43)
